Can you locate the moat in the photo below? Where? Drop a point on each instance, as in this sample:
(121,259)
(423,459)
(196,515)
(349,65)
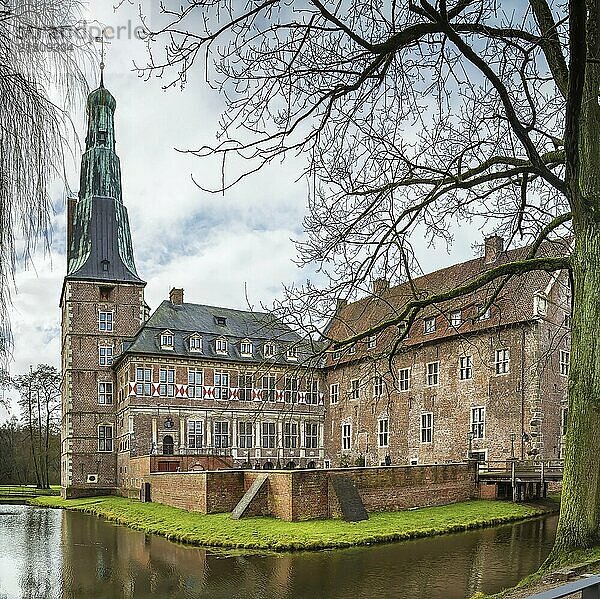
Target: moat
(51,554)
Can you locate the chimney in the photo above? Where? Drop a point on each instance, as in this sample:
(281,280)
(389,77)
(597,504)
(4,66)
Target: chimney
(176,296)
(379,286)
(71,203)
(494,246)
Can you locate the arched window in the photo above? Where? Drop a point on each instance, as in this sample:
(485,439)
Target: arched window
(168,445)
(268,466)
(290,466)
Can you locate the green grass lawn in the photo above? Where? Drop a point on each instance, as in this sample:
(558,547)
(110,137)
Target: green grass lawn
(219,530)
(10,493)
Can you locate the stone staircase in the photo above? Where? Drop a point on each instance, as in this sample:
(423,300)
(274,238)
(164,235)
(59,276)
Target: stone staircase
(351,505)
(240,509)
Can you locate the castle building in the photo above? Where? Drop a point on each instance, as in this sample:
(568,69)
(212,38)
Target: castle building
(196,387)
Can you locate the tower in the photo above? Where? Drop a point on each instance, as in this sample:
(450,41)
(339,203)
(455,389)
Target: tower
(102,304)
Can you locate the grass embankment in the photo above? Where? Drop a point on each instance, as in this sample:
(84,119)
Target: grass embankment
(219,530)
(24,493)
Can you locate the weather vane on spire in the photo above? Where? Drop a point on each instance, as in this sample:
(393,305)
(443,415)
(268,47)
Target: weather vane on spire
(102,40)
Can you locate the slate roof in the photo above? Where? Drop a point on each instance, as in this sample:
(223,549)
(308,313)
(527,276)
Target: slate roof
(186,319)
(514,304)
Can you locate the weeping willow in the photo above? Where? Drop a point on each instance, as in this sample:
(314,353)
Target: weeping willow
(43,47)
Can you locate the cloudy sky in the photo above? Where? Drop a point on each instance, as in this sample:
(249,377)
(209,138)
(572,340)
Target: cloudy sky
(221,249)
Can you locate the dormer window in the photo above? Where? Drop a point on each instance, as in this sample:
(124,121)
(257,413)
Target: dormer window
(221,345)
(269,350)
(246,347)
(485,315)
(166,340)
(292,353)
(429,326)
(455,319)
(195,343)
(221,321)
(352,349)
(540,305)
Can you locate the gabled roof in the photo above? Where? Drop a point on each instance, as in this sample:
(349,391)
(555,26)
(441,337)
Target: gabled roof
(514,303)
(186,319)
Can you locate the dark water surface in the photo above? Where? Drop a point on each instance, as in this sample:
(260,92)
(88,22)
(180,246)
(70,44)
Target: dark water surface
(51,554)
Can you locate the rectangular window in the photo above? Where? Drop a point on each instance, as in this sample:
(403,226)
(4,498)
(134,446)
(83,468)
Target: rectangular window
(378,386)
(268,435)
(355,389)
(372,341)
(404,379)
(502,361)
(455,319)
(221,346)
(292,353)
(383,432)
(433,374)
(245,435)
(105,393)
(337,354)
(312,391)
(334,393)
(346,436)
(221,435)
(352,349)
(485,314)
(245,386)
(221,385)
(466,368)
(143,381)
(427,427)
(195,434)
(291,389)
(166,341)
(268,388)
(564,419)
(429,324)
(269,350)
(246,348)
(196,344)
(105,322)
(195,382)
(565,358)
(478,422)
(290,435)
(311,435)
(166,387)
(105,437)
(567,321)
(105,355)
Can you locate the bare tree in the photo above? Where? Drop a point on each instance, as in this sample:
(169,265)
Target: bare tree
(43,47)
(413,116)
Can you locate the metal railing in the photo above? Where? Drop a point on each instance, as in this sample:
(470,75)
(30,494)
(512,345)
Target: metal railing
(525,467)
(589,587)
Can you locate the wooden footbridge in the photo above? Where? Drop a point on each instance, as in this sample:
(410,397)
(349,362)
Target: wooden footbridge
(518,480)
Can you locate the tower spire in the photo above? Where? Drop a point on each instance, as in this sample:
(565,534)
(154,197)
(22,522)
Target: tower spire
(101,39)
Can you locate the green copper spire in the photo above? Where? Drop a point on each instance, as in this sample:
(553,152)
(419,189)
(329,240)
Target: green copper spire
(100,246)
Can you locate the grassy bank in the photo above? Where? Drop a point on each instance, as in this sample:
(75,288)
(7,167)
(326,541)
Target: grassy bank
(219,530)
(24,493)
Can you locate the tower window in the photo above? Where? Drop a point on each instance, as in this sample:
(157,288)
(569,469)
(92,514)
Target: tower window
(105,293)
(105,322)
(105,355)
(104,264)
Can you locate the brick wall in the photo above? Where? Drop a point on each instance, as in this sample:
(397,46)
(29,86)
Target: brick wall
(306,494)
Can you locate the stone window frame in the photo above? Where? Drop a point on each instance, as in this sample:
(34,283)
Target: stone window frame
(401,387)
(346,436)
(195,343)
(145,382)
(268,433)
(354,392)
(246,348)
(465,367)
(195,388)
(456,319)
(291,439)
(221,346)
(105,442)
(429,325)
(167,340)
(311,435)
(269,393)
(383,431)
(192,434)
(245,438)
(426,429)
(245,391)
(105,355)
(378,386)
(222,383)
(371,341)
(502,361)
(106,318)
(221,439)
(105,397)
(269,350)
(166,381)
(292,354)
(291,393)
(564,362)
(334,393)
(432,375)
(312,391)
(478,415)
